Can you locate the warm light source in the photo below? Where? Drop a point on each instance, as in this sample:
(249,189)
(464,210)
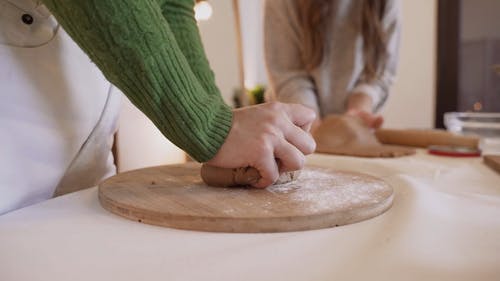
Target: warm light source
(202,10)
(477,106)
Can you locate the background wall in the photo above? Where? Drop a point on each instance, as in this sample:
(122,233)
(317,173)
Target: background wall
(485,24)
(412,100)
(219,39)
(140,144)
(479,84)
(252,21)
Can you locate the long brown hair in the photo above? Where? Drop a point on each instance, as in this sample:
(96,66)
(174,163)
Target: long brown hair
(314,19)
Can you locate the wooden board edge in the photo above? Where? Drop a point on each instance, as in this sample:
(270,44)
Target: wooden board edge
(246,225)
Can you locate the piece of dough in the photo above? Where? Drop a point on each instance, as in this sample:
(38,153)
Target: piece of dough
(347,135)
(222,177)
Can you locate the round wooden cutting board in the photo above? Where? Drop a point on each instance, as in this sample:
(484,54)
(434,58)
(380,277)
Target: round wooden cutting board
(175,196)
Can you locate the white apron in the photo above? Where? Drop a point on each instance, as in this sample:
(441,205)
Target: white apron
(58,113)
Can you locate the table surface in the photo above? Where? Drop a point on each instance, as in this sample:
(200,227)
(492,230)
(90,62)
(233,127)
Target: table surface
(444,225)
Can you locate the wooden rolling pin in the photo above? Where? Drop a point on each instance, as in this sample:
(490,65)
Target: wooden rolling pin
(424,138)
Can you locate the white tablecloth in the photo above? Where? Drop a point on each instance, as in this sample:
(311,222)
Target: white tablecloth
(444,225)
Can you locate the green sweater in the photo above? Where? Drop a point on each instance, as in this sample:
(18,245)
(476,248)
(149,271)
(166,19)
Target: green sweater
(152,51)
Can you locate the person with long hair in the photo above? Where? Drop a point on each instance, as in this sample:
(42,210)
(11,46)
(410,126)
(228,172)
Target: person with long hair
(334,56)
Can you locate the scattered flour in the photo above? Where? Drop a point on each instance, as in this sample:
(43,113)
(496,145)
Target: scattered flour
(320,190)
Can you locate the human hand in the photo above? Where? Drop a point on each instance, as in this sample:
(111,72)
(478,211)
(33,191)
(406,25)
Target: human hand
(265,135)
(371,120)
(348,135)
(360,105)
(315,125)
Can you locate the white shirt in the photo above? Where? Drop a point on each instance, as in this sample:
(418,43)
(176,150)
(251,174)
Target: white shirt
(58,113)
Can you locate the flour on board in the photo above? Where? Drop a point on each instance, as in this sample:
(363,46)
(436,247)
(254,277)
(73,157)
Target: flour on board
(320,189)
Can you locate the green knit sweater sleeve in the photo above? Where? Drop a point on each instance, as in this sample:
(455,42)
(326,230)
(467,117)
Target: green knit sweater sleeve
(135,47)
(180,17)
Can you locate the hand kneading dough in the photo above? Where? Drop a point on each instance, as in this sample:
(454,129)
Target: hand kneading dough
(215,176)
(347,135)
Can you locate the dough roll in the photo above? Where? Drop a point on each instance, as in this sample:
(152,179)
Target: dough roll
(247,176)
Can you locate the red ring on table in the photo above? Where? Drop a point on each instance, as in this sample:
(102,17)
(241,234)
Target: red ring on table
(453,151)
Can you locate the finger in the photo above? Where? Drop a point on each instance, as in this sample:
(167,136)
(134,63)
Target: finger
(371,120)
(300,115)
(299,138)
(379,120)
(289,157)
(307,127)
(352,112)
(315,125)
(365,116)
(268,169)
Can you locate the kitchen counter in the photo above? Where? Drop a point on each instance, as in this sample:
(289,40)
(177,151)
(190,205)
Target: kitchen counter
(444,225)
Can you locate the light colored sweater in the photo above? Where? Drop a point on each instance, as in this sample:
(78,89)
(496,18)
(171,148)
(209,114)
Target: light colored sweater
(327,87)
